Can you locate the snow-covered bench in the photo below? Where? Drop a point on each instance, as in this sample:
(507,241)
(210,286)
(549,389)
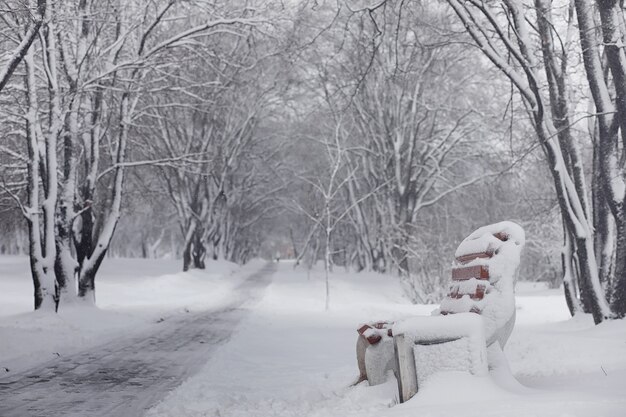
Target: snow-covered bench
(467,332)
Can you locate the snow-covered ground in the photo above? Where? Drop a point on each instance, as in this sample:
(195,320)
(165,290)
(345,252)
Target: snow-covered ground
(291,358)
(132,295)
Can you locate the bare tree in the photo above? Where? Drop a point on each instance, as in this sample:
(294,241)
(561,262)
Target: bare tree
(96,61)
(211,147)
(610,118)
(514,53)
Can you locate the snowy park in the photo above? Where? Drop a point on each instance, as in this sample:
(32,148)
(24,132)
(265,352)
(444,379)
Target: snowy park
(321,208)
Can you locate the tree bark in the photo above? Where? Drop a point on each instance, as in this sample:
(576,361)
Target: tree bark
(613,37)
(199,250)
(569,279)
(618,301)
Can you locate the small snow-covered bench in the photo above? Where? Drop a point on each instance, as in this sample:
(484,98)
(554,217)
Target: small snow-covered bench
(467,332)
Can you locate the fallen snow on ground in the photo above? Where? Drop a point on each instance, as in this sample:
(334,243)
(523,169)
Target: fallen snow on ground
(292,358)
(132,295)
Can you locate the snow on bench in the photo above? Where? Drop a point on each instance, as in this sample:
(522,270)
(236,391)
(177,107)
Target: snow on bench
(430,344)
(461,335)
(483,278)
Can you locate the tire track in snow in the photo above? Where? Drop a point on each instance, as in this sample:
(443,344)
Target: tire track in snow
(126,377)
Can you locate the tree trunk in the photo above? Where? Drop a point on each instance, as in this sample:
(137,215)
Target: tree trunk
(618,299)
(44,284)
(187,257)
(89,265)
(589,294)
(604,245)
(87,286)
(401,255)
(194,252)
(42,250)
(327,268)
(613,37)
(199,250)
(294,246)
(569,281)
(65,271)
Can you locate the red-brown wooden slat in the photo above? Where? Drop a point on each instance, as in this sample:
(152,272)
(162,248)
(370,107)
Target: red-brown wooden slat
(479,294)
(467,272)
(463,259)
(474,309)
(363,328)
(476,296)
(376,337)
(501,236)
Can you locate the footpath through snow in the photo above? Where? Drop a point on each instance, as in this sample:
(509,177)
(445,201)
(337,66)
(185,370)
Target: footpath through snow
(133,296)
(291,358)
(128,375)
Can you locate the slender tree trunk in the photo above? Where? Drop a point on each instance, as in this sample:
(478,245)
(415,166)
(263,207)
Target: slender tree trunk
(294,246)
(400,254)
(187,256)
(327,267)
(569,280)
(199,250)
(618,299)
(188,246)
(604,245)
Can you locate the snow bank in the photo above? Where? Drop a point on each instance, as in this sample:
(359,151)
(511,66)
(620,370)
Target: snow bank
(132,295)
(290,358)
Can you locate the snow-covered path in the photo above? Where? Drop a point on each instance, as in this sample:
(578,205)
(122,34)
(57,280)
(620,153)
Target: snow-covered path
(129,375)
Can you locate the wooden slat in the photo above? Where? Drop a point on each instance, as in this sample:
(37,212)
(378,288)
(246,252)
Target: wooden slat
(479,294)
(372,339)
(474,309)
(501,236)
(467,272)
(463,259)
(405,363)
(363,328)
